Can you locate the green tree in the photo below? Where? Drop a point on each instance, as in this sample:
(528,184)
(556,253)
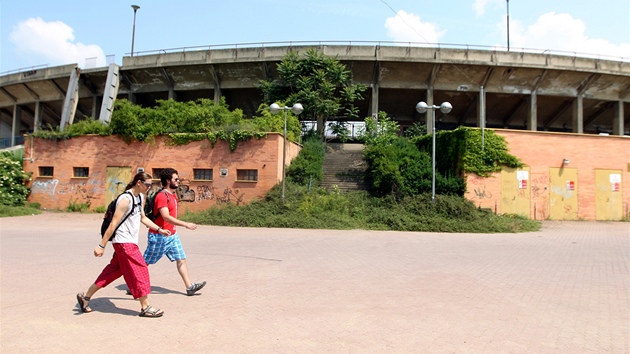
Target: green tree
(320,83)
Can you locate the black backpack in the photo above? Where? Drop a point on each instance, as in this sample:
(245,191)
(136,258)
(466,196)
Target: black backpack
(150,204)
(109,214)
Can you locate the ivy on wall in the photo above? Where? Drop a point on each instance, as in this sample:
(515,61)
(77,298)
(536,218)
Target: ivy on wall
(182,122)
(469,150)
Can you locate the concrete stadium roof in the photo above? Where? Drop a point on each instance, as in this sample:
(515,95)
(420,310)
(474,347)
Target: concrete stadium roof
(561,87)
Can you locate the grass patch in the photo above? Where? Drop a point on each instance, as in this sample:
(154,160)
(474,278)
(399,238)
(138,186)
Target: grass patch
(321,209)
(6,211)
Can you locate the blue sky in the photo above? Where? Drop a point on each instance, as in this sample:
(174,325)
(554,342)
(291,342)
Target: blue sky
(51,33)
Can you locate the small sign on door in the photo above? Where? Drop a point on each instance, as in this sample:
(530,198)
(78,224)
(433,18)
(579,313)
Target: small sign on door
(570,185)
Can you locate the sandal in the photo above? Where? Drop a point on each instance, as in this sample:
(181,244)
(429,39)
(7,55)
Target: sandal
(150,311)
(84,303)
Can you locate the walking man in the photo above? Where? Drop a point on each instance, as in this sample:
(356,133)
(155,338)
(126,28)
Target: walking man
(165,207)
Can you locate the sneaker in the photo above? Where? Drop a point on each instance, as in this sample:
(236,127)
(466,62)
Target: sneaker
(194,288)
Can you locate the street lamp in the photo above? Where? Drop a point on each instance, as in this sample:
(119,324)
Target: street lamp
(133,33)
(274,108)
(508,24)
(421,108)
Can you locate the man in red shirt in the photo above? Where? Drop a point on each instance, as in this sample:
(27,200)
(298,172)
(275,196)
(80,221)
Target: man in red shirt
(165,207)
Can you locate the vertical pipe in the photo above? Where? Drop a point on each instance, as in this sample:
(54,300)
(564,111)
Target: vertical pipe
(284,149)
(433,155)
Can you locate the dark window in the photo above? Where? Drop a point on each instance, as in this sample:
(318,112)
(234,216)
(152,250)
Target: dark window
(81,172)
(247,175)
(156,173)
(202,174)
(46,171)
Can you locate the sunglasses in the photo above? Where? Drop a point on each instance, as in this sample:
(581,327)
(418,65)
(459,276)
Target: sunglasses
(148,184)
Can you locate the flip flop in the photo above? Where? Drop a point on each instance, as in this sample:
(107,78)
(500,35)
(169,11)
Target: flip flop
(84,303)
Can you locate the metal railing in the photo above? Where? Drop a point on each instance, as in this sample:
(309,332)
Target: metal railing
(494,48)
(6,142)
(109,58)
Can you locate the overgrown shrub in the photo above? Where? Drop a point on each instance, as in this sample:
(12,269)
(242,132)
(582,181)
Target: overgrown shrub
(182,122)
(83,127)
(308,167)
(463,149)
(330,209)
(13,190)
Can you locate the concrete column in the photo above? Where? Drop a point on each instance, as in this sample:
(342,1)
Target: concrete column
(532,123)
(481,109)
(131,97)
(15,126)
(37,124)
(217,93)
(374,106)
(428,115)
(618,127)
(172,95)
(578,115)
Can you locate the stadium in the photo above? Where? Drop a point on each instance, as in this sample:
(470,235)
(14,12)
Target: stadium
(580,102)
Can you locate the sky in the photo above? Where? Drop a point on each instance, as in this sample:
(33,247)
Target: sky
(39,33)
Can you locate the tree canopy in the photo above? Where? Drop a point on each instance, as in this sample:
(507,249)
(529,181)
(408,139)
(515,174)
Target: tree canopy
(320,83)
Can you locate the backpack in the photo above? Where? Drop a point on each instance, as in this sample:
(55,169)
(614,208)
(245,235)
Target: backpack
(109,215)
(149,205)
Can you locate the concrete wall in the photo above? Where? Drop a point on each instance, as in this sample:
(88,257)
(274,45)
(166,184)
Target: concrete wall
(97,153)
(543,151)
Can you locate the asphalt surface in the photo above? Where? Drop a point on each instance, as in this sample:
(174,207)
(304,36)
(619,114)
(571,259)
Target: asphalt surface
(565,289)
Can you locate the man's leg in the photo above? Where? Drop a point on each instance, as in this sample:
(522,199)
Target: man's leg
(175,252)
(182,268)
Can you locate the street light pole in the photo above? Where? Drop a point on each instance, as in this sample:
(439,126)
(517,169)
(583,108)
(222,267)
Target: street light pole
(274,108)
(508,24)
(133,33)
(421,108)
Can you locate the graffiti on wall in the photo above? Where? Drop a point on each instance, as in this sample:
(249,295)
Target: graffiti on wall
(44,187)
(481,193)
(84,190)
(228,195)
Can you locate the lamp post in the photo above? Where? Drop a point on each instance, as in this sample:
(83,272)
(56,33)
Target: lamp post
(421,108)
(274,108)
(133,33)
(508,24)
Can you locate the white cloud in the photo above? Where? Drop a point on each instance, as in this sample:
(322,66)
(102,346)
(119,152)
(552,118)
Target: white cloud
(407,27)
(54,42)
(480,5)
(561,32)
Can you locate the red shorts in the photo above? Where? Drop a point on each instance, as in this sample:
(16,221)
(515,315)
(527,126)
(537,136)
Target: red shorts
(127,261)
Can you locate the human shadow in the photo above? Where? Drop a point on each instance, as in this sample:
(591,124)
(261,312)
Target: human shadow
(154,290)
(105,305)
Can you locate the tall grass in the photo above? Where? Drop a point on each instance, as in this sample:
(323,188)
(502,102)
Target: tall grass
(321,209)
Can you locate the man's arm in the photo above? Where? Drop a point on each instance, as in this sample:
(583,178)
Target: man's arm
(168,218)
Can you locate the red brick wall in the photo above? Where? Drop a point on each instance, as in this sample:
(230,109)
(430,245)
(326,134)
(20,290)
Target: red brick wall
(542,150)
(97,153)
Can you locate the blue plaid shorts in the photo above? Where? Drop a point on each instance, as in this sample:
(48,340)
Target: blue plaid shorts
(160,245)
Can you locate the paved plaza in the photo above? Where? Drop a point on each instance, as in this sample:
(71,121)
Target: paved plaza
(564,289)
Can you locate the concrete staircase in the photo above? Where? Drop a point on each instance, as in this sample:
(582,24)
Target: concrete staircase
(344,167)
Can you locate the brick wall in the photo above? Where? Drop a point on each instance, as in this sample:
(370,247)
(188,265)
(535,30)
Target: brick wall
(97,153)
(543,150)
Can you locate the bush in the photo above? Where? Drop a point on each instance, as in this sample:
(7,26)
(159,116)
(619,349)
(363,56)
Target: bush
(308,167)
(400,168)
(324,209)
(13,191)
